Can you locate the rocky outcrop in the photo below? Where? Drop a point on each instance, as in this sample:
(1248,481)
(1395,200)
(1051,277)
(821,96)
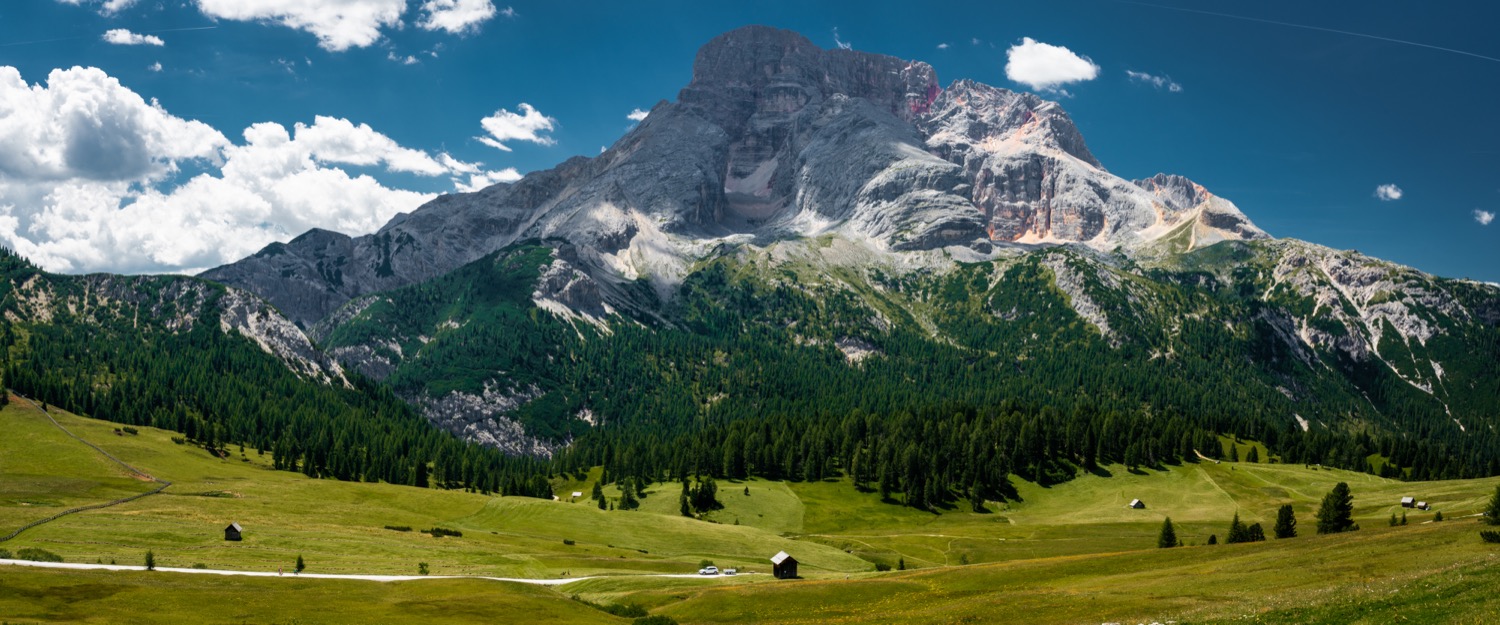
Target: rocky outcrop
(479,418)
(774,138)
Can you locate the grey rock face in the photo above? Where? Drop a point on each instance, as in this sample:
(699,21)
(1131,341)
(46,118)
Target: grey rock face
(774,138)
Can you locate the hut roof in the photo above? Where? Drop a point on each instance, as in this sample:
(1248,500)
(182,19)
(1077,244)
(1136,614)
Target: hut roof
(781,556)
(234,526)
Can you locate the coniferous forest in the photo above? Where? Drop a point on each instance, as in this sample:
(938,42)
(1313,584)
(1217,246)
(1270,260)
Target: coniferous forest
(963,378)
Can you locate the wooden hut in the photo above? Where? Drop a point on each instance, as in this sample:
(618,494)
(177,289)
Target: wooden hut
(232,532)
(783,566)
(1137,504)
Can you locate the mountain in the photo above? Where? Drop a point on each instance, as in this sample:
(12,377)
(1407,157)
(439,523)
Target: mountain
(809,241)
(774,139)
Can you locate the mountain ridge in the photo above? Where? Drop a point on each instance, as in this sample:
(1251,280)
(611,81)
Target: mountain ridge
(773,138)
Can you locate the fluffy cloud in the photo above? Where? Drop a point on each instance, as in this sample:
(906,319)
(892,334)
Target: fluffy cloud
(457,16)
(155,67)
(528,125)
(338,24)
(637,115)
(106,7)
(1160,82)
(942,46)
(1045,67)
(1483,217)
(1388,192)
(89,179)
(122,37)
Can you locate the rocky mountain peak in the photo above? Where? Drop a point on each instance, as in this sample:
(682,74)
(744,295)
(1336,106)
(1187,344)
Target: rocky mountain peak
(982,113)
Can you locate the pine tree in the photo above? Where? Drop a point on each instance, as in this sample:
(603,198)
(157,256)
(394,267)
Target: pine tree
(1491,514)
(1254,455)
(1255,533)
(1337,512)
(1236,531)
(150,561)
(1234,452)
(683,507)
(301,564)
(1438,517)
(1168,536)
(1213,539)
(1286,523)
(1394,522)
(1403,517)
(598,492)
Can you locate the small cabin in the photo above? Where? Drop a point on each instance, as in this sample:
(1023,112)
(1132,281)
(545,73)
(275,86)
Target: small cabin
(1408,502)
(232,533)
(1137,504)
(576,495)
(783,566)
(1422,505)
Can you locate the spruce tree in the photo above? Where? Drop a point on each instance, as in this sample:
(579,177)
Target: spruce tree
(1255,533)
(598,492)
(1394,522)
(1213,539)
(1168,536)
(1438,516)
(1234,453)
(150,561)
(1236,531)
(301,564)
(1286,523)
(1491,514)
(1337,512)
(1254,455)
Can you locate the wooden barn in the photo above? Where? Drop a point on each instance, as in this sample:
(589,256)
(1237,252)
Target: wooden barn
(1408,502)
(1137,504)
(783,566)
(232,532)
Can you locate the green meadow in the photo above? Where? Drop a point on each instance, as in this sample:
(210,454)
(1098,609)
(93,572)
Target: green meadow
(1070,553)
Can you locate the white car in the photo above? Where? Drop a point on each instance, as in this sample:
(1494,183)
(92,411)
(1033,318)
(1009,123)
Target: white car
(709,570)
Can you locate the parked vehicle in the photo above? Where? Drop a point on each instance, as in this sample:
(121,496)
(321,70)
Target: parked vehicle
(731,571)
(709,570)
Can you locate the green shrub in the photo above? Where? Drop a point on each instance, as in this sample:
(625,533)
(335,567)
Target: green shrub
(1490,536)
(568,541)
(655,619)
(37,555)
(439,532)
(399,528)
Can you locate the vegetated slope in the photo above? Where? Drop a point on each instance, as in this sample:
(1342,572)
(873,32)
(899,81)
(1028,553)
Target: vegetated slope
(341,527)
(809,358)
(223,368)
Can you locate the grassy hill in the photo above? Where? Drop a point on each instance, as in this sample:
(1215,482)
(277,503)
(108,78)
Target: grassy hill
(1066,554)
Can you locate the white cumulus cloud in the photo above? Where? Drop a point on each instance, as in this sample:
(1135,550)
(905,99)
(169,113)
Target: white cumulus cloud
(456,16)
(1045,67)
(637,115)
(528,125)
(1160,82)
(89,179)
(155,67)
(1483,217)
(1388,192)
(122,37)
(338,24)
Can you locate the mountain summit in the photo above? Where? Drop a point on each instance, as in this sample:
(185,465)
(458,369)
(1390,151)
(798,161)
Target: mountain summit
(775,138)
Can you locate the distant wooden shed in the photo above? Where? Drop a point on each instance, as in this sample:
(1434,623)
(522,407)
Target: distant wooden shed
(1137,504)
(783,566)
(1422,505)
(233,532)
(1408,502)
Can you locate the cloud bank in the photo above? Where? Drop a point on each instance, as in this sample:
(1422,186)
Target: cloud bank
(95,178)
(529,125)
(122,37)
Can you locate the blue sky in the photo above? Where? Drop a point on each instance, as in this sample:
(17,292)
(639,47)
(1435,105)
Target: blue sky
(1297,124)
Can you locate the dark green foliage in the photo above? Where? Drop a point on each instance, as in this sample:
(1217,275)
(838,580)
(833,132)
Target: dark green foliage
(1438,517)
(1491,515)
(622,610)
(399,528)
(901,564)
(1213,539)
(1394,522)
(39,555)
(1238,533)
(1255,533)
(150,561)
(1403,517)
(125,356)
(1286,522)
(1253,455)
(422,568)
(5,554)
(1168,536)
(301,564)
(655,619)
(439,532)
(1489,536)
(1336,514)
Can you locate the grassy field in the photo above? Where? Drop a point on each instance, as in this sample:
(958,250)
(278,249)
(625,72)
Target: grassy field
(1072,553)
